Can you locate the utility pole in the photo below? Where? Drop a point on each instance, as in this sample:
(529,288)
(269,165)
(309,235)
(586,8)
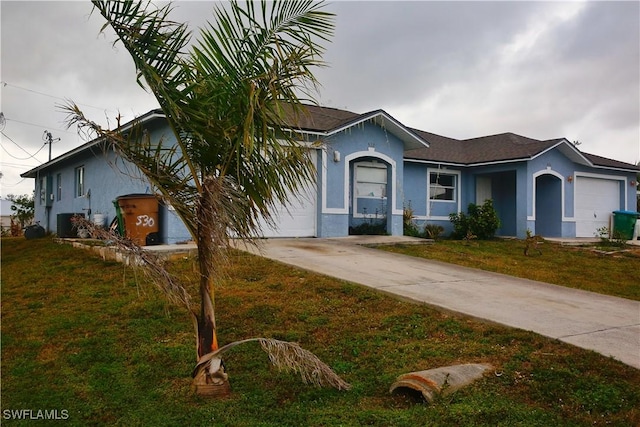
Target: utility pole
(49,139)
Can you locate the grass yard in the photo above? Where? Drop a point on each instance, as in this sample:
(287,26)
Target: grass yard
(607,271)
(93,339)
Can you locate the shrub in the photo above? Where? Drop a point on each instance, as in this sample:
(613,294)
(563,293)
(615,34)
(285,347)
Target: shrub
(409,227)
(607,239)
(480,221)
(433,231)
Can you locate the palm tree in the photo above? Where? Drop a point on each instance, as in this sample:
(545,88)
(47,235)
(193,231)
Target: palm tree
(231,100)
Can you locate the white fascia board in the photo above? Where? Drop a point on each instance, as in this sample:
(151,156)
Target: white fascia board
(87,146)
(613,168)
(583,160)
(434,162)
(396,128)
(553,147)
(500,162)
(574,154)
(462,165)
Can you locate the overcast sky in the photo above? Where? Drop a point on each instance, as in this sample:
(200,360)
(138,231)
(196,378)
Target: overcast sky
(460,69)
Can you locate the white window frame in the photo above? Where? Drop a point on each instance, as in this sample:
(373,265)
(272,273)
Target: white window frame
(357,180)
(457,192)
(454,188)
(79,178)
(59,187)
(43,190)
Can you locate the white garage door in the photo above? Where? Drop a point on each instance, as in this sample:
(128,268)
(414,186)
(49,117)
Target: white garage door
(298,219)
(595,199)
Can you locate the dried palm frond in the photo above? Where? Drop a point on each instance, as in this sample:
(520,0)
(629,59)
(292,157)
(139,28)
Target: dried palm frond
(288,356)
(285,356)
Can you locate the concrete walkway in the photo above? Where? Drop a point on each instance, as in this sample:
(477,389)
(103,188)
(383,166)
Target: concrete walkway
(605,324)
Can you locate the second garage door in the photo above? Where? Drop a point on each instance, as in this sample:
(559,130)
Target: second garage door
(595,200)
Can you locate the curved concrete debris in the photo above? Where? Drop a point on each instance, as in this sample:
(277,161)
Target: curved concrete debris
(443,380)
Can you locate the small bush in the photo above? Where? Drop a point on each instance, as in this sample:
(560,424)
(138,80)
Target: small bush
(409,227)
(433,231)
(616,239)
(480,222)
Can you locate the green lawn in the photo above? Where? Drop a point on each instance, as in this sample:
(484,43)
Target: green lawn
(608,271)
(92,338)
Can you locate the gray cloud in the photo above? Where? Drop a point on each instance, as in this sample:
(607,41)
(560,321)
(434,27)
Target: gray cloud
(400,52)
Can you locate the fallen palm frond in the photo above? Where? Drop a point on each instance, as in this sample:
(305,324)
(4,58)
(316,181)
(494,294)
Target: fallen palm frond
(286,356)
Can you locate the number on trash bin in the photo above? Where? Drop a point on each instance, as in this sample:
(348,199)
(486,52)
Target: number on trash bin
(145,221)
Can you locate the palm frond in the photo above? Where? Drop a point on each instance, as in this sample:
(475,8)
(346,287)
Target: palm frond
(228,98)
(289,356)
(157,46)
(160,161)
(286,356)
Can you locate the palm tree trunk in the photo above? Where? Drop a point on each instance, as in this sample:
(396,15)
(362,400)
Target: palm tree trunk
(210,379)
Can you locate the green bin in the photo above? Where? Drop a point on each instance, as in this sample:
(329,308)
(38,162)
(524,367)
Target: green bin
(624,223)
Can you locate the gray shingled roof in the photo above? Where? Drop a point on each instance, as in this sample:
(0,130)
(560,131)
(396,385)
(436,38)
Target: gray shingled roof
(603,161)
(485,149)
(320,119)
(332,120)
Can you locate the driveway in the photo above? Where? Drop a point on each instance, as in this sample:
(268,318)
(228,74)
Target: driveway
(605,324)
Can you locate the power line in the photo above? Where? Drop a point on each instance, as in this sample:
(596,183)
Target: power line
(17,145)
(5,84)
(14,185)
(40,126)
(22,158)
(17,165)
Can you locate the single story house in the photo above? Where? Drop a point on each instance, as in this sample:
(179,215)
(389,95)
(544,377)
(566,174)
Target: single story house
(369,168)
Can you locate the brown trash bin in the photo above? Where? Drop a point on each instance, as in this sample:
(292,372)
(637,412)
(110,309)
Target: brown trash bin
(140,216)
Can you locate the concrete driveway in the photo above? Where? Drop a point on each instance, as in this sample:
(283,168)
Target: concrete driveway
(605,324)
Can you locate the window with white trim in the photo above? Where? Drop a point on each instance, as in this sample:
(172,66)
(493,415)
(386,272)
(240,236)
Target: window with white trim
(442,186)
(43,191)
(79,181)
(371,180)
(59,187)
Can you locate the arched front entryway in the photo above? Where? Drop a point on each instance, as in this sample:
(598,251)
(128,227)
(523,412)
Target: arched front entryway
(548,209)
(371,190)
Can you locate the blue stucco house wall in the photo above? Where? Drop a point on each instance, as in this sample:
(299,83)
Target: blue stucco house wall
(344,155)
(370,167)
(89,179)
